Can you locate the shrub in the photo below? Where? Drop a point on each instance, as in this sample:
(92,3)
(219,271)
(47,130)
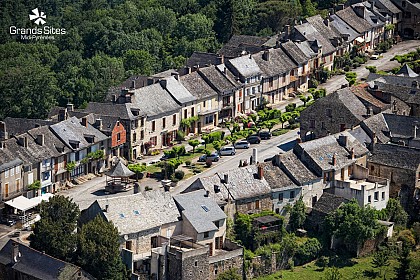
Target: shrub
(180,136)
(307,251)
(372,69)
(290,107)
(346,68)
(188,162)
(179,174)
(154,152)
(323,262)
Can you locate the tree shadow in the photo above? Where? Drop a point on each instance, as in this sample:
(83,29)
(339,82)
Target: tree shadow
(287,146)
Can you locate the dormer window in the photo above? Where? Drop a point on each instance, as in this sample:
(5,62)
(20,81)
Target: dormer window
(89,138)
(74,144)
(135,112)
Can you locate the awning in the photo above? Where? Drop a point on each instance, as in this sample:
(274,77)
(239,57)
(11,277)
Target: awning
(23,204)
(360,40)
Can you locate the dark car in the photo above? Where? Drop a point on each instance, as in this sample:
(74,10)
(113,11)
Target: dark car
(254,139)
(265,135)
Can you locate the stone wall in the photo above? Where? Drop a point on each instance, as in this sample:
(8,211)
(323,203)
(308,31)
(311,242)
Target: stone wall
(248,206)
(191,265)
(231,257)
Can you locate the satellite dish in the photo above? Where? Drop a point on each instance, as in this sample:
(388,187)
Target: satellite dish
(125,237)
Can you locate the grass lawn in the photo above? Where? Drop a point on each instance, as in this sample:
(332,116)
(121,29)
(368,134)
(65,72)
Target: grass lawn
(356,269)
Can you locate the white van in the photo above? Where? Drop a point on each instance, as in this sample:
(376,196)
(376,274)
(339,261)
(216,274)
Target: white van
(242,144)
(227,151)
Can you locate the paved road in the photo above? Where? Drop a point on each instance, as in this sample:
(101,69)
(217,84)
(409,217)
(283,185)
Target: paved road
(384,64)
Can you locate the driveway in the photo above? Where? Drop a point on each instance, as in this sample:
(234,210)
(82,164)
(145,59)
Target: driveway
(384,63)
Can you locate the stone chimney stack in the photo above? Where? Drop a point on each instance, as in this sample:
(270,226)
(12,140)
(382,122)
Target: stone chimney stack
(70,107)
(3,132)
(15,252)
(133,84)
(260,171)
(226,178)
(99,124)
(207,193)
(334,160)
(352,153)
(266,55)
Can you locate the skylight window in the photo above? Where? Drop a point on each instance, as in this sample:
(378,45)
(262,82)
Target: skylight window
(136,212)
(205,208)
(122,215)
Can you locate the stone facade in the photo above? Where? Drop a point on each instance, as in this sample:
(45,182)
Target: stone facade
(255,204)
(189,265)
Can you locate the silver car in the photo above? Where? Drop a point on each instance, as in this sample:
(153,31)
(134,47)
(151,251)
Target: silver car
(227,151)
(242,145)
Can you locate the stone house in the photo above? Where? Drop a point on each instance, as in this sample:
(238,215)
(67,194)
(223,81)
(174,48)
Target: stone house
(334,113)
(19,261)
(377,22)
(230,91)
(205,222)
(390,11)
(279,74)
(244,44)
(237,190)
(311,185)
(142,219)
(302,61)
(410,27)
(401,166)
(81,139)
(207,101)
(129,115)
(10,185)
(162,116)
(250,75)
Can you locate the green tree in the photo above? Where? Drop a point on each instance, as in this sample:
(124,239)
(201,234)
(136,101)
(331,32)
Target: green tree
(139,62)
(193,143)
(137,168)
(353,223)
(332,274)
(297,215)
(217,145)
(55,232)
(308,8)
(305,99)
(380,260)
(351,77)
(230,274)
(98,250)
(395,212)
(284,118)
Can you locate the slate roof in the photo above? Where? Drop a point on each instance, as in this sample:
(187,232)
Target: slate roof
(278,62)
(352,19)
(342,27)
(39,265)
(392,79)
(311,34)
(72,130)
(360,134)
(139,212)
(407,71)
(296,54)
(15,126)
(110,109)
(296,169)
(197,86)
(402,126)
(108,123)
(7,162)
(276,178)
(178,91)
(242,184)
(328,202)
(245,65)
(362,94)
(229,75)
(238,44)
(119,170)
(370,17)
(390,6)
(154,101)
(327,31)
(322,150)
(395,156)
(199,210)
(202,59)
(218,80)
(306,48)
(377,124)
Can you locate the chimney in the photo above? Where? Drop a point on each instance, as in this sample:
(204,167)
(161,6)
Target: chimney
(98,124)
(70,107)
(226,178)
(339,7)
(368,111)
(216,189)
(84,122)
(222,59)
(133,84)
(360,10)
(136,188)
(374,139)
(286,31)
(266,55)
(40,139)
(127,98)
(250,56)
(260,172)
(206,194)
(15,252)
(114,98)
(163,83)
(106,208)
(334,160)
(415,84)
(23,141)
(352,153)
(343,140)
(225,70)
(372,4)
(327,22)
(3,131)
(415,131)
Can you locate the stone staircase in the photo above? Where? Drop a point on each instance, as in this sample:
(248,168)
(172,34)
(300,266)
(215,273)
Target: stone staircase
(83,179)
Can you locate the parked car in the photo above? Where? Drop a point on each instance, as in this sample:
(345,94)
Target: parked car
(214,157)
(374,57)
(242,144)
(265,135)
(254,139)
(227,151)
